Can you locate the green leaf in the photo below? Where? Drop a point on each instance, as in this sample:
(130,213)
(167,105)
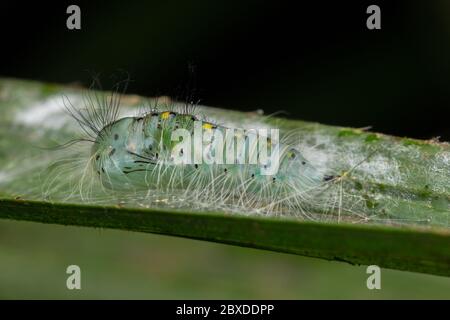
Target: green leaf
(398,189)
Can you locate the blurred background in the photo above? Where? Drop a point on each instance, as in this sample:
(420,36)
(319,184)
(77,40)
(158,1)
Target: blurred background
(316,61)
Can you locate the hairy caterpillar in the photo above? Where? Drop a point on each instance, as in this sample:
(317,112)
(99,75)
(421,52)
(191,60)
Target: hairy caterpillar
(136,154)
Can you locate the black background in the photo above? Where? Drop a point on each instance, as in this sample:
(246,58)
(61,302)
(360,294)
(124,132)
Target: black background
(315,60)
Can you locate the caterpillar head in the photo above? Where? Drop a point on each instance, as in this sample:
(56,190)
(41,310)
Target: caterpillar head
(112,153)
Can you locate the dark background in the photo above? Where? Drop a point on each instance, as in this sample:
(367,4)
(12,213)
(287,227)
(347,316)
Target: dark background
(315,60)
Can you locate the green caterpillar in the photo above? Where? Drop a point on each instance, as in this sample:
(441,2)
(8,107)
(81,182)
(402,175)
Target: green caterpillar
(142,154)
(138,153)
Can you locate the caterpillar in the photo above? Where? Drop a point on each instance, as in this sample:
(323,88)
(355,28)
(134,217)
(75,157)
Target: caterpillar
(137,153)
